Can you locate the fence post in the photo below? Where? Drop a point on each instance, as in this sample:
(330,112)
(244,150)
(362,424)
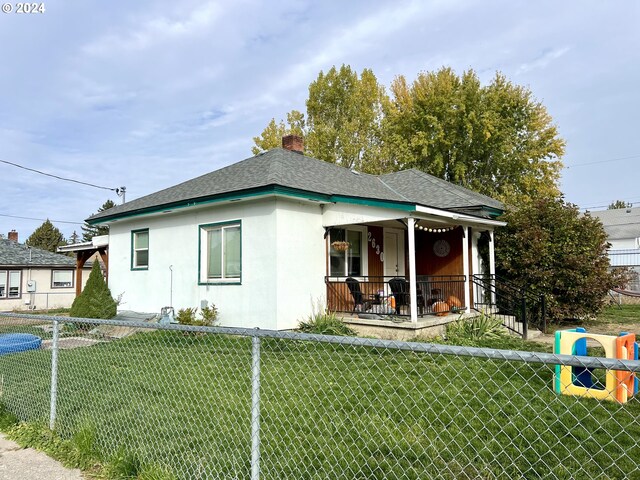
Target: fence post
(524,316)
(255,408)
(54,374)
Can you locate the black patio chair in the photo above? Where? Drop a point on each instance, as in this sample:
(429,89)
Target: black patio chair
(358,297)
(400,289)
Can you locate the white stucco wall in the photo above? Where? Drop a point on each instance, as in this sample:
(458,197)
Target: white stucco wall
(301,261)
(173,241)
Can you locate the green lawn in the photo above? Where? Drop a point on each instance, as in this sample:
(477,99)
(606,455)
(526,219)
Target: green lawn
(183,401)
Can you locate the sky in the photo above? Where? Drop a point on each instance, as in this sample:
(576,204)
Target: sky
(150,93)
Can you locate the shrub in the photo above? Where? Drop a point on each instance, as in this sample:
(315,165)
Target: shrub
(480,327)
(325,322)
(208,316)
(95,301)
(549,248)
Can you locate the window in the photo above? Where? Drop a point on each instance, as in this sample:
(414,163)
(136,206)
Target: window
(10,283)
(220,252)
(140,249)
(61,278)
(345,262)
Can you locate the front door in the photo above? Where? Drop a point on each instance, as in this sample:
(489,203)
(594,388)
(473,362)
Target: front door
(391,255)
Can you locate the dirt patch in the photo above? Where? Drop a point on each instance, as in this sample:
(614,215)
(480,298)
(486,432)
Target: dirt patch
(68,343)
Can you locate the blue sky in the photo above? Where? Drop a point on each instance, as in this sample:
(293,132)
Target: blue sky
(147,94)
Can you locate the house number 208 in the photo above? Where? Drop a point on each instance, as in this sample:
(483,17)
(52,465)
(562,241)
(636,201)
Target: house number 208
(375,245)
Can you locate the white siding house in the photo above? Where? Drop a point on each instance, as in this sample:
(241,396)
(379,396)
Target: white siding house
(34,279)
(256,239)
(623,231)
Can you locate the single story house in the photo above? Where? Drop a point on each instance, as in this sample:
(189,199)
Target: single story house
(266,238)
(31,278)
(623,231)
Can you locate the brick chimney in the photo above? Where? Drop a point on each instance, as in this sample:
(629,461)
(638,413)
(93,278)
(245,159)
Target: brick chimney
(13,236)
(295,143)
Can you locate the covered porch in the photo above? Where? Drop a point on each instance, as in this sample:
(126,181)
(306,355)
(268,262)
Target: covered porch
(412,268)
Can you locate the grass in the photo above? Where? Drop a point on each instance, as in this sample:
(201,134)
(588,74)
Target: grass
(180,405)
(612,319)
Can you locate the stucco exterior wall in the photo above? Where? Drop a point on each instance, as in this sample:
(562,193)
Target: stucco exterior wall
(173,242)
(301,261)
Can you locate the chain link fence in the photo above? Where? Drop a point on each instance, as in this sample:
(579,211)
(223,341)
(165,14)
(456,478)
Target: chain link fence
(215,402)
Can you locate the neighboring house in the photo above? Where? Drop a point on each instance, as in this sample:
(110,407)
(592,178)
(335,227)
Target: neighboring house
(623,230)
(31,278)
(263,239)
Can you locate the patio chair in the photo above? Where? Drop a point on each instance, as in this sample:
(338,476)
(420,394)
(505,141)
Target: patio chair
(400,289)
(358,297)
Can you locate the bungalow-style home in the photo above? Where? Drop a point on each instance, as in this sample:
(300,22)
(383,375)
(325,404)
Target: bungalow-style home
(266,238)
(31,278)
(623,231)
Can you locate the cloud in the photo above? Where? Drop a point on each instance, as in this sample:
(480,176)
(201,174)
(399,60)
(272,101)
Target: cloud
(156,31)
(543,60)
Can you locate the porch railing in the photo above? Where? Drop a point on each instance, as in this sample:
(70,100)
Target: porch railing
(518,308)
(436,294)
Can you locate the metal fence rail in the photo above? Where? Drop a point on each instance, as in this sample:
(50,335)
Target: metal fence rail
(213,402)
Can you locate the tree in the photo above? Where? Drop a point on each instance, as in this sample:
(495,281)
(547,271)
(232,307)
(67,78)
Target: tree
(549,248)
(46,237)
(495,139)
(95,301)
(271,136)
(343,121)
(619,204)
(90,231)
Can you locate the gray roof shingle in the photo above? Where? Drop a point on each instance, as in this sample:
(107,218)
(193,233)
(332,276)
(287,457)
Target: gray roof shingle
(13,254)
(284,168)
(620,223)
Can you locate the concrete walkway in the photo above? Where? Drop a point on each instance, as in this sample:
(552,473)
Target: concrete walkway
(18,463)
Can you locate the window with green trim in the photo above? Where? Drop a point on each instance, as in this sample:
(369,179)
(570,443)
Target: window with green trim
(220,252)
(140,249)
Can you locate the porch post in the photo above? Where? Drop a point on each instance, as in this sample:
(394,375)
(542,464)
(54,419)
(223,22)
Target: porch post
(413,293)
(465,267)
(492,265)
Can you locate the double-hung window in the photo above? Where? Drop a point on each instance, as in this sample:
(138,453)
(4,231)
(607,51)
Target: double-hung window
(61,278)
(345,252)
(220,253)
(10,283)
(140,249)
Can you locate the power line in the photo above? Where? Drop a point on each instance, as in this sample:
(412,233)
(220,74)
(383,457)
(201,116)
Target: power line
(39,219)
(60,178)
(603,161)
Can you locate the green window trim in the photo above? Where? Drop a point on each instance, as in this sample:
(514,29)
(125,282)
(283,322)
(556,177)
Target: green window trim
(220,253)
(139,253)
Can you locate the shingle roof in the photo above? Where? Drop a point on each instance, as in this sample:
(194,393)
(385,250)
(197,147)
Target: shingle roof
(284,168)
(620,223)
(13,254)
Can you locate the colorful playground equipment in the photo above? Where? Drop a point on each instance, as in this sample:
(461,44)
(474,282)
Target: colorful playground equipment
(619,385)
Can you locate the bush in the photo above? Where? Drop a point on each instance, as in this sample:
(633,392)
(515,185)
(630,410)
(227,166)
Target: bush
(480,327)
(208,316)
(95,301)
(549,248)
(325,322)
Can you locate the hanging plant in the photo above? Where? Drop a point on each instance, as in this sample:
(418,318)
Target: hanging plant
(341,246)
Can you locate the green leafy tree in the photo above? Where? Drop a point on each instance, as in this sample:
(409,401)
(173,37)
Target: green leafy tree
(343,120)
(619,204)
(46,237)
(549,248)
(494,139)
(90,231)
(95,301)
(271,136)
